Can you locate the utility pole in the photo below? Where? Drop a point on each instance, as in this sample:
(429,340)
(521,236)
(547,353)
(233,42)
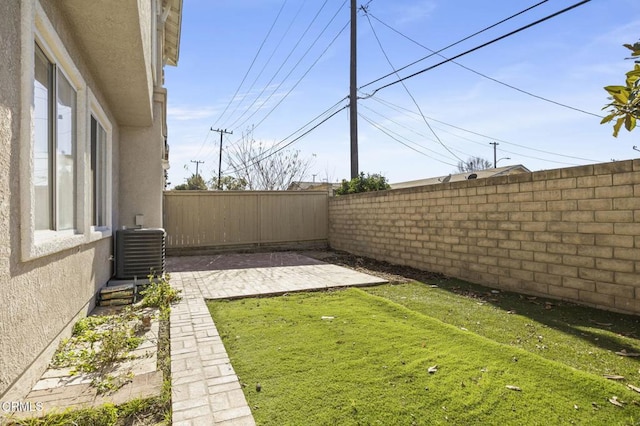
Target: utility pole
(495,161)
(222,132)
(197,164)
(353,93)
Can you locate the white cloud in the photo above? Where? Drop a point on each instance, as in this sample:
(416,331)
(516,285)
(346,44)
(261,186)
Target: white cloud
(184,113)
(415,12)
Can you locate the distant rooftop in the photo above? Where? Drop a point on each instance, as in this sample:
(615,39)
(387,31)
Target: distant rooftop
(312,186)
(480,174)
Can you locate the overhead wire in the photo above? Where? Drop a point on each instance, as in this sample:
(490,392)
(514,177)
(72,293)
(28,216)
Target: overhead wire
(255,161)
(284,62)
(252,62)
(483,45)
(409,129)
(309,26)
(457,42)
(482,74)
(406,128)
(276,148)
(407,89)
(478,143)
(389,134)
(277,145)
(266,64)
(326,27)
(492,138)
(244,78)
(295,85)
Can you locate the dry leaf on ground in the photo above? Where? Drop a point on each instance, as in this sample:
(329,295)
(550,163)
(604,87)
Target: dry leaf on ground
(629,354)
(514,388)
(613,377)
(614,401)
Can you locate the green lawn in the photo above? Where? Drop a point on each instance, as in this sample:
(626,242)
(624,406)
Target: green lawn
(578,336)
(368,363)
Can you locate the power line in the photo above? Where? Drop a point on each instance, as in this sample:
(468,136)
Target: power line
(407,89)
(458,42)
(293,69)
(277,145)
(399,109)
(257,161)
(253,61)
(245,76)
(408,129)
(264,67)
(294,86)
(539,21)
(484,75)
(404,137)
(388,133)
(284,62)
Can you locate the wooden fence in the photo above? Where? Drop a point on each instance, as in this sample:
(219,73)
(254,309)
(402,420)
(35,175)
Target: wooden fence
(223,220)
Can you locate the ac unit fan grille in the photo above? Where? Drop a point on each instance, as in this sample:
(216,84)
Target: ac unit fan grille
(140,252)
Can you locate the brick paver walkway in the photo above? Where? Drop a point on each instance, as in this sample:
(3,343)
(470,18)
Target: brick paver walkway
(204,387)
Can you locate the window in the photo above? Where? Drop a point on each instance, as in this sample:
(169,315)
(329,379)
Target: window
(54,149)
(99,174)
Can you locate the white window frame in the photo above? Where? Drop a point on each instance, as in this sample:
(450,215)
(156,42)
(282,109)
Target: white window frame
(96,111)
(36,28)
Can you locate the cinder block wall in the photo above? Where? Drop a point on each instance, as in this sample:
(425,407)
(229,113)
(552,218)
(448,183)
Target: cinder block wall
(572,233)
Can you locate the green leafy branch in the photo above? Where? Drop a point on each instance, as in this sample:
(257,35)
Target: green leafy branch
(624,107)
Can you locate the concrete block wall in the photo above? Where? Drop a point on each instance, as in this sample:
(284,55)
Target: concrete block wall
(571,234)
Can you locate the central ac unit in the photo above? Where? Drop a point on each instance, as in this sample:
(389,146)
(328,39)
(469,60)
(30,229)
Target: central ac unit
(140,252)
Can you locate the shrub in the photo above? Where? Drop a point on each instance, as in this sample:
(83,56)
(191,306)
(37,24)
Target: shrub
(362,183)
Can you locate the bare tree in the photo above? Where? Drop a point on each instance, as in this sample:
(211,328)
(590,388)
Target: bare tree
(473,164)
(264,168)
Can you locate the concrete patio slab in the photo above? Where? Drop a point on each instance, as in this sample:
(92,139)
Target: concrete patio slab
(204,386)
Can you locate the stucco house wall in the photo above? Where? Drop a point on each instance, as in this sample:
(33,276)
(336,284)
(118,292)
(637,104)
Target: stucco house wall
(141,152)
(46,283)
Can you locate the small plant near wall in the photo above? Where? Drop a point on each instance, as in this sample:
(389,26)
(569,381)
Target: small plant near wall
(159,294)
(98,342)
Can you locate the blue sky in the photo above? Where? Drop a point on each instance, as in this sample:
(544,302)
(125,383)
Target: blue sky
(567,59)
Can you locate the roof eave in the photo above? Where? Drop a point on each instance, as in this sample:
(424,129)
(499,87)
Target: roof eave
(172,29)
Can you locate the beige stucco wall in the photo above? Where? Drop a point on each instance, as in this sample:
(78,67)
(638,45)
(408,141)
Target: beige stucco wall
(38,298)
(570,233)
(141,173)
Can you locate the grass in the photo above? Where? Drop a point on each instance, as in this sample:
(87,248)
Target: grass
(580,337)
(368,363)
